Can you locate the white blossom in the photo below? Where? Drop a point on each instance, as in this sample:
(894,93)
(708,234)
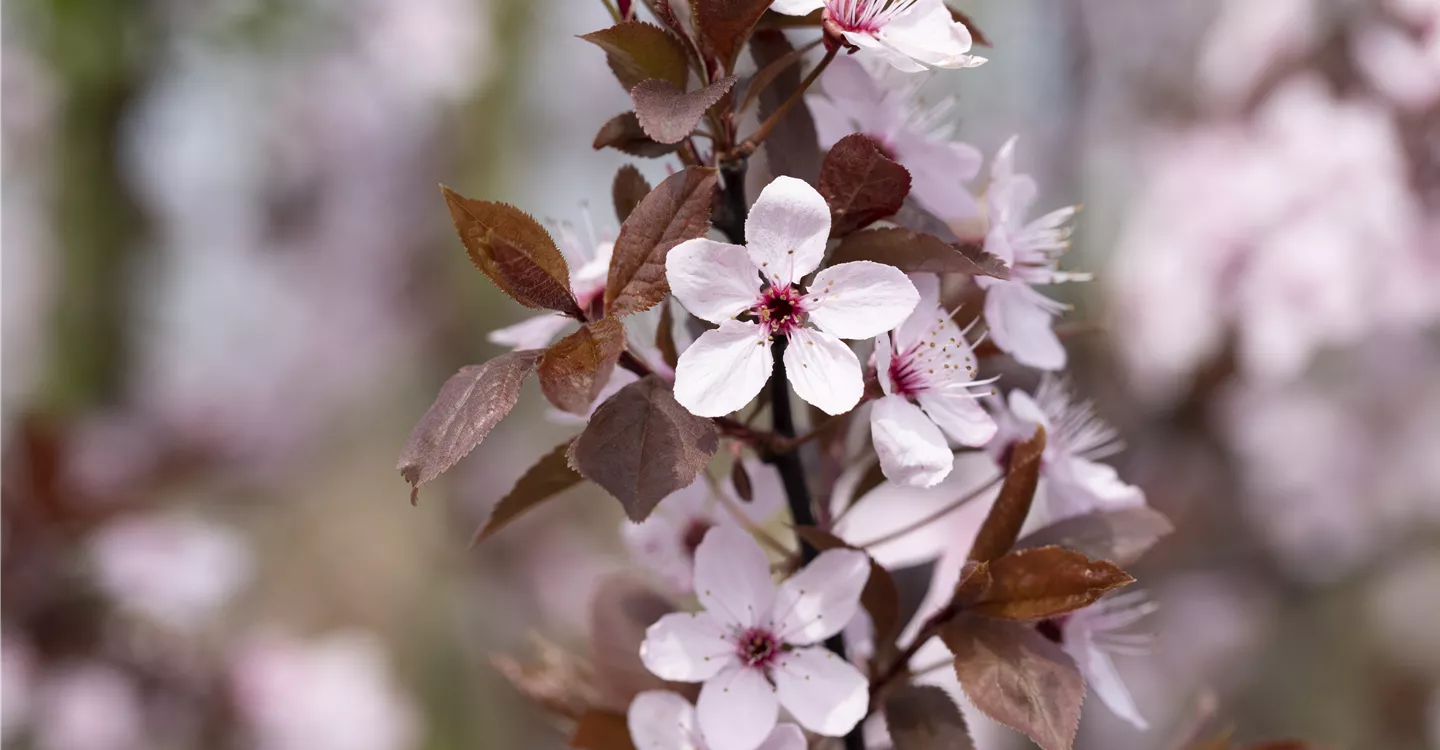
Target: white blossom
(929,361)
(755,645)
(1094,634)
(912,35)
(787,229)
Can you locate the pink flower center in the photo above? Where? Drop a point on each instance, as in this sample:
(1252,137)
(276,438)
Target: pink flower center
(758,647)
(864,16)
(780,309)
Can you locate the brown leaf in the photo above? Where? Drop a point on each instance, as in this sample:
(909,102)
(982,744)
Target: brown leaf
(792,149)
(1119,535)
(668,113)
(642,445)
(676,210)
(622,608)
(665,336)
(973,584)
(1018,678)
(469,406)
(976,34)
(740,480)
(880,597)
(724,25)
(1002,526)
(627,190)
(637,50)
(576,368)
(916,252)
(601,730)
(550,476)
(861,184)
(623,133)
(1036,584)
(514,251)
(922,717)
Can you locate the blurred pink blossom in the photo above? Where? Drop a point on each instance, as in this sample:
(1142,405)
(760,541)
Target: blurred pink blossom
(88,707)
(176,569)
(332,693)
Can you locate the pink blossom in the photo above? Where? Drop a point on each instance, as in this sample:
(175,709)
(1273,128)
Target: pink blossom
(754,648)
(930,361)
(912,35)
(787,230)
(1019,317)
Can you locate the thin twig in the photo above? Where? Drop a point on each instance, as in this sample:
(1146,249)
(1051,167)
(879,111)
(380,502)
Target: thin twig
(748,146)
(933,517)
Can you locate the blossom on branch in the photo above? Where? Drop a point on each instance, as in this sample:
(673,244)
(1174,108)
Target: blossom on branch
(912,35)
(929,361)
(755,647)
(787,229)
(1074,482)
(1018,316)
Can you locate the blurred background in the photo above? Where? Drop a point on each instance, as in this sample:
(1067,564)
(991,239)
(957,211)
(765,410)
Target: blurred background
(230,288)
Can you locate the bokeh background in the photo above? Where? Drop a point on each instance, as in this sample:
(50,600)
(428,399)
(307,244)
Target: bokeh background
(230,288)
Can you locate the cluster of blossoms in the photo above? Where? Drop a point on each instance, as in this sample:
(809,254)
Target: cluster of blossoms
(756,299)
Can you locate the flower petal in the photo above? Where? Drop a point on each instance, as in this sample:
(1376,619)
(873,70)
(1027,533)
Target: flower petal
(796,7)
(785,737)
(928,312)
(860,299)
(713,280)
(1100,673)
(686,647)
(531,333)
(1079,486)
(884,355)
(938,172)
(662,720)
(960,415)
(825,693)
(737,709)
(787,229)
(821,599)
(823,371)
(1019,319)
(723,369)
(883,50)
(928,33)
(732,577)
(911,448)
(831,122)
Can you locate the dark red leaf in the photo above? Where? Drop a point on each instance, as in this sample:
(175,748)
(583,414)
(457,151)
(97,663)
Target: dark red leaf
(514,251)
(1037,584)
(665,336)
(1018,677)
(668,113)
(792,149)
(1002,526)
(637,51)
(628,189)
(861,184)
(676,210)
(469,406)
(623,133)
(922,717)
(576,368)
(601,730)
(641,445)
(724,25)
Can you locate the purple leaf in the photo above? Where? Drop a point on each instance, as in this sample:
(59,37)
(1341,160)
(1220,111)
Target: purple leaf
(667,113)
